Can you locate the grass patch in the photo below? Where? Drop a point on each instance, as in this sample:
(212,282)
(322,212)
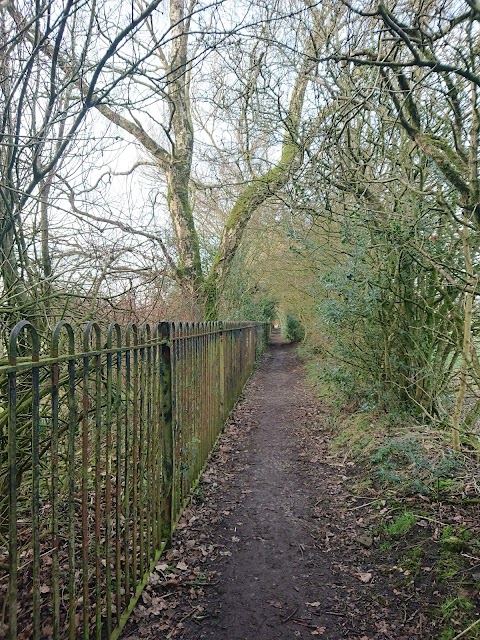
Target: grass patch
(455,614)
(423,493)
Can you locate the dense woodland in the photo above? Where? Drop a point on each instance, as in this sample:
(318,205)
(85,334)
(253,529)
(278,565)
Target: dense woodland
(253,159)
(311,162)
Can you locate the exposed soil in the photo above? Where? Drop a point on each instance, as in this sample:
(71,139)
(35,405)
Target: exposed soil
(276,545)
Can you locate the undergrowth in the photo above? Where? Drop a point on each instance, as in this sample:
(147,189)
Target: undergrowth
(425,522)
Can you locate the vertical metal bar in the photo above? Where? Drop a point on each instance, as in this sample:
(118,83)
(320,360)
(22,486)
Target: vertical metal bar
(55,375)
(181,434)
(231,361)
(176,402)
(12,485)
(135,427)
(216,382)
(209,384)
(183,412)
(108,477)
(205,386)
(72,413)
(167,435)
(226,333)
(36,482)
(187,423)
(114,403)
(85,463)
(70,477)
(184,415)
(193,452)
(98,493)
(157,439)
(12,506)
(141,458)
(118,474)
(151,454)
(127,544)
(148,446)
(213,399)
(12,464)
(200,388)
(218,386)
(198,433)
(177,424)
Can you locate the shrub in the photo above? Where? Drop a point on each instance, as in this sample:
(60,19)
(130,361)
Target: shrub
(292,329)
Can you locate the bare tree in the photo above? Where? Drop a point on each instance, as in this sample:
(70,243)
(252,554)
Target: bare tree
(166,133)
(55,67)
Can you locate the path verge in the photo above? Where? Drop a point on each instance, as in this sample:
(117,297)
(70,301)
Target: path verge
(276,543)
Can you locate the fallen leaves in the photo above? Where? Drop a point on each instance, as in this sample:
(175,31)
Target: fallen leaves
(364,577)
(348,583)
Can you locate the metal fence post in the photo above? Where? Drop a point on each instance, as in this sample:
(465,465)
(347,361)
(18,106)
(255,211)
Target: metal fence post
(167,436)
(222,371)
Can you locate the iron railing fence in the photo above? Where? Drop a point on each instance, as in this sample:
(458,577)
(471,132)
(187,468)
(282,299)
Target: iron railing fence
(101,442)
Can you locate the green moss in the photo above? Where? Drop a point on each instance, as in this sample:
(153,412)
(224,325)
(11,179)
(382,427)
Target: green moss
(448,486)
(362,485)
(446,567)
(258,191)
(401,525)
(454,539)
(412,560)
(355,433)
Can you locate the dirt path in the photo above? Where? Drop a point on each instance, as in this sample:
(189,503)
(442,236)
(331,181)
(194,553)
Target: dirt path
(274,567)
(276,546)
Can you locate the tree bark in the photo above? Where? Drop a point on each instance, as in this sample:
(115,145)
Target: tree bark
(255,194)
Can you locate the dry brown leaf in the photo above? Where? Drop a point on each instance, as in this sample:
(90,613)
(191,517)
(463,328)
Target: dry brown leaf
(364,577)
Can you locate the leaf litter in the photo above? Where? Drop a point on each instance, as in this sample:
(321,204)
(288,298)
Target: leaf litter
(351,585)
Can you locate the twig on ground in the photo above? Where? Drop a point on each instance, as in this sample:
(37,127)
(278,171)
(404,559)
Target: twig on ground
(304,623)
(361,506)
(335,613)
(290,616)
(460,635)
(188,615)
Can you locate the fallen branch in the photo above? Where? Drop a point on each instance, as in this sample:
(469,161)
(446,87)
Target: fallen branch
(460,635)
